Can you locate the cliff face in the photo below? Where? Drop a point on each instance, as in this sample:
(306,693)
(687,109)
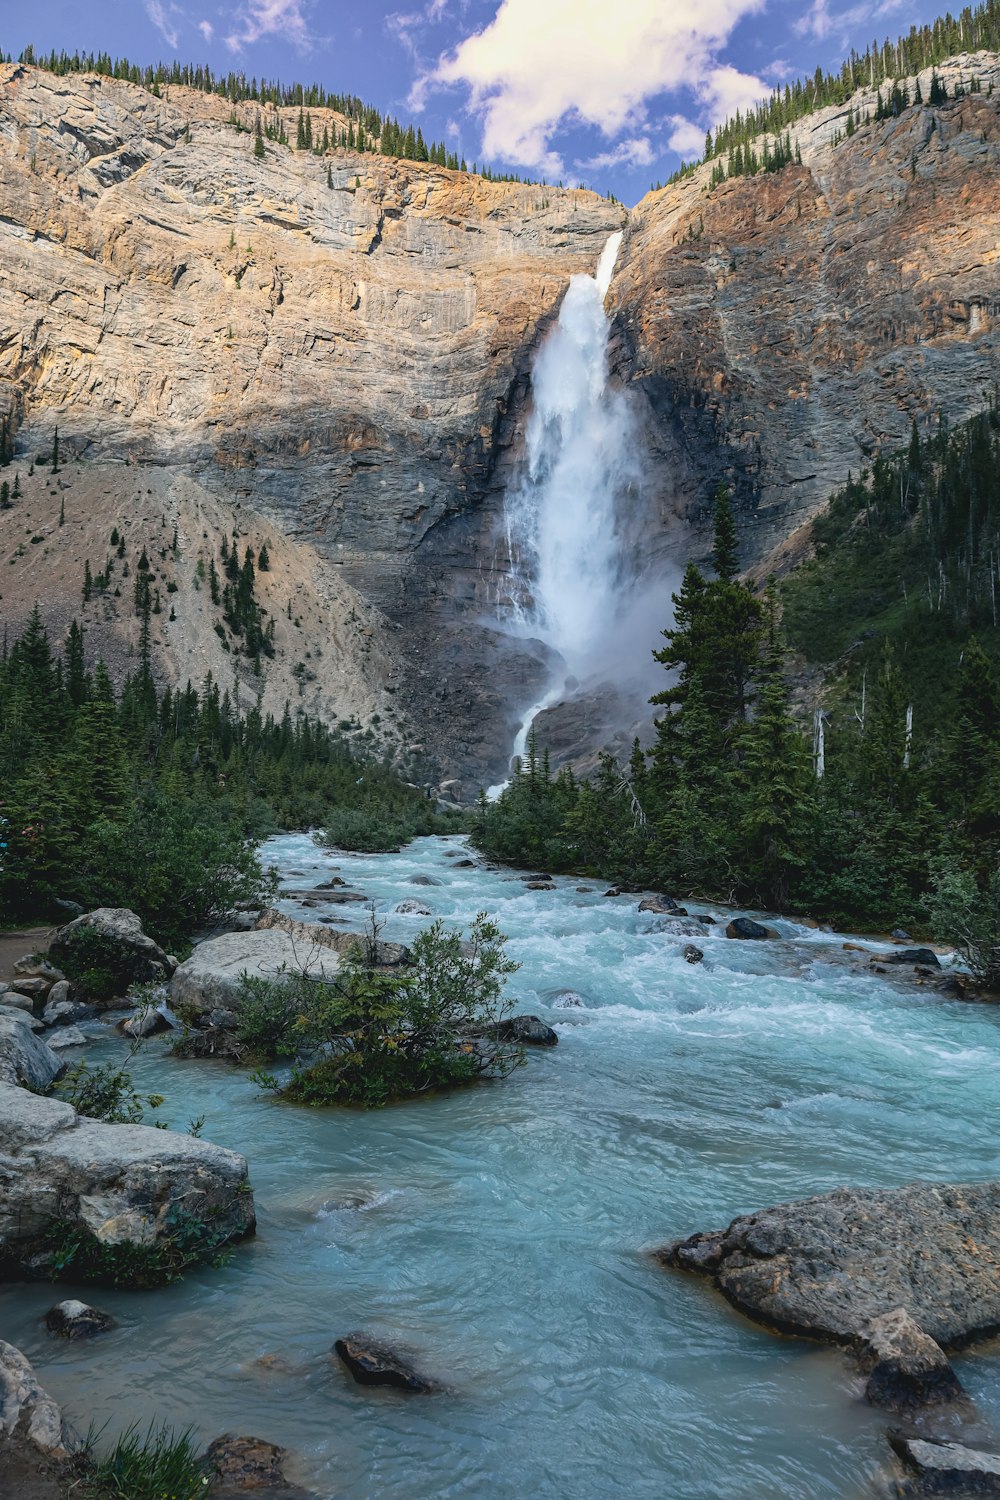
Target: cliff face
(332,355)
(783,328)
(344,357)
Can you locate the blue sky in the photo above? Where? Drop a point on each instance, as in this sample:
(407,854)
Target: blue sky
(608,94)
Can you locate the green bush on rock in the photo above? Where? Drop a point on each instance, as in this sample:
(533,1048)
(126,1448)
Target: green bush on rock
(391,1036)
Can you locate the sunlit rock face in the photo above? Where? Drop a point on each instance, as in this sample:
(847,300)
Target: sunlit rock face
(783,328)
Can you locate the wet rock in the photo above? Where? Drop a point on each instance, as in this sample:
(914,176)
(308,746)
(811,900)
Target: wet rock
(925,956)
(541,877)
(567,1000)
(315,894)
(412,909)
(76,1320)
(945,1468)
(680,927)
(900,935)
(692,954)
(334,883)
(704,919)
(248,1466)
(27,1409)
(906,1369)
(584,890)
(13,1010)
(531,1031)
(662,905)
(374,1363)
(65,1012)
(952,986)
(423,880)
(465,864)
(623,890)
(147,1020)
(66,1036)
(539,885)
(826,1267)
(60,992)
(748,929)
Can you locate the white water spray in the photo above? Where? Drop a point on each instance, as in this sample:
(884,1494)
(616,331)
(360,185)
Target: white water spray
(568,520)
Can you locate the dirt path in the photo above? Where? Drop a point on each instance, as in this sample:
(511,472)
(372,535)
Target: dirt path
(14,945)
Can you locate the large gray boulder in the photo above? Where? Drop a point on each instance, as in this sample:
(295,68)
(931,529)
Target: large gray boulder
(65,1176)
(24,1058)
(828,1266)
(27,1410)
(110,938)
(211,978)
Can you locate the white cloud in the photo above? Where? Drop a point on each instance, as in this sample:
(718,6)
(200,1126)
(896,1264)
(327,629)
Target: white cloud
(820,22)
(634,152)
(543,63)
(686,138)
(207,30)
(726,89)
(257,19)
(164,18)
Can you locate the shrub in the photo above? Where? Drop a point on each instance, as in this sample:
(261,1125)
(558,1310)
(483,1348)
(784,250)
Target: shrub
(99,965)
(966,914)
(163,1463)
(69,1252)
(269,1015)
(104,1093)
(392,1036)
(365,831)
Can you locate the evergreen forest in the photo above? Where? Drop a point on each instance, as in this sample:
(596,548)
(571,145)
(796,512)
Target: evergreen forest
(156,799)
(859,813)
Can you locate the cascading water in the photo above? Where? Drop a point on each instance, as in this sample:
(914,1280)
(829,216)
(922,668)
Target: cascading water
(568,519)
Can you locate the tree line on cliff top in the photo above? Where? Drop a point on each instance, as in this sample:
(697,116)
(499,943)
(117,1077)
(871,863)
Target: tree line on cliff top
(863,816)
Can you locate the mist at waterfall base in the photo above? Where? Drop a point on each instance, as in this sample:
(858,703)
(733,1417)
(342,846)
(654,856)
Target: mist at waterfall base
(577,520)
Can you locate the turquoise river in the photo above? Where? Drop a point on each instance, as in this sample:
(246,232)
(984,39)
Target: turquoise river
(503,1232)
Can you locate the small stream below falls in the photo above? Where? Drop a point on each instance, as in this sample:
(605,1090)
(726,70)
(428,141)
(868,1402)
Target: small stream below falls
(500,1232)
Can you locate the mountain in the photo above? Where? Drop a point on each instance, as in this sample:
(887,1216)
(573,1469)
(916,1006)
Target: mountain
(330,356)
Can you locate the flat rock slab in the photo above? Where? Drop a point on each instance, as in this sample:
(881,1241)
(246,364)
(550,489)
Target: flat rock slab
(947,1468)
(825,1267)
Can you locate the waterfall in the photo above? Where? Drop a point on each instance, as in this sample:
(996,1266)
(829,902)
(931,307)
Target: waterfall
(567,518)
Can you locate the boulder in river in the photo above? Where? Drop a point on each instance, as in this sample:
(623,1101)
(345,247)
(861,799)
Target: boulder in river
(412,909)
(924,956)
(77,1320)
(747,928)
(906,1369)
(529,1030)
(680,927)
(539,885)
(692,954)
(567,1000)
(423,880)
(66,1180)
(661,905)
(826,1267)
(374,1363)
(212,977)
(248,1465)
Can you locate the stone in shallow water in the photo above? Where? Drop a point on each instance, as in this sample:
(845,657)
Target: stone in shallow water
(531,1030)
(906,1369)
(746,927)
(827,1266)
(946,1468)
(249,1465)
(692,954)
(374,1363)
(662,905)
(77,1320)
(925,956)
(412,909)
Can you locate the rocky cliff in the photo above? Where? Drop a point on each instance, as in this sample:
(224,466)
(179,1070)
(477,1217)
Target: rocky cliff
(783,328)
(332,354)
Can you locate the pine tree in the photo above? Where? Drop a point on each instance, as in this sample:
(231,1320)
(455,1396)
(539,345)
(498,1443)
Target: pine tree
(724,555)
